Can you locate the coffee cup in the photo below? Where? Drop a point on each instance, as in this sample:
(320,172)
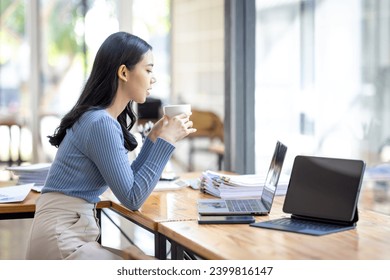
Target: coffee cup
(174,110)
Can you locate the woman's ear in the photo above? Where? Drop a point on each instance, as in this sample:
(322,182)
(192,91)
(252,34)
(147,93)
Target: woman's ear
(122,73)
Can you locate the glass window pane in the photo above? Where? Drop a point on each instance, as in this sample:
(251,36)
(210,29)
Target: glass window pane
(14,77)
(322,85)
(151,22)
(72,31)
(13,56)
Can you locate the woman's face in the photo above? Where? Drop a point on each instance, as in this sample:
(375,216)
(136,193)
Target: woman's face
(141,79)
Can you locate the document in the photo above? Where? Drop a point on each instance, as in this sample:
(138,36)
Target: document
(238,186)
(170,185)
(14,193)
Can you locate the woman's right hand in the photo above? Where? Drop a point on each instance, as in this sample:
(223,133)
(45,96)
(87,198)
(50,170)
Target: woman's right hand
(172,129)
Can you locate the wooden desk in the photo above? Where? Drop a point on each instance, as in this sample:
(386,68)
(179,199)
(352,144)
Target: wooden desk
(26,208)
(161,206)
(19,210)
(370,240)
(172,216)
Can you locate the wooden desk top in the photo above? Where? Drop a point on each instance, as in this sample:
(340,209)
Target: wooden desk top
(174,214)
(180,205)
(370,240)
(28,205)
(163,206)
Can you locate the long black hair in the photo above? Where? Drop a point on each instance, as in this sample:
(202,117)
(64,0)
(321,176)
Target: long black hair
(101,86)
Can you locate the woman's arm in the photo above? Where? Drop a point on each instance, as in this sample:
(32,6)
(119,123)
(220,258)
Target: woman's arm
(106,150)
(143,155)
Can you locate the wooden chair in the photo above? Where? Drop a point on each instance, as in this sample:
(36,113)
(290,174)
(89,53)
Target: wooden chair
(208,126)
(151,110)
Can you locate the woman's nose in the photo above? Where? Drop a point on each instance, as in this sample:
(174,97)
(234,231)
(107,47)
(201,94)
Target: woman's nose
(153,80)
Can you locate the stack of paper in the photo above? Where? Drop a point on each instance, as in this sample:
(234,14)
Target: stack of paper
(238,186)
(31,174)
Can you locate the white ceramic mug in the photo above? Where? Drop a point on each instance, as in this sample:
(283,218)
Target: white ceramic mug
(174,110)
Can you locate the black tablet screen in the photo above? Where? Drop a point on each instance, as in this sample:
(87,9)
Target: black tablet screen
(325,188)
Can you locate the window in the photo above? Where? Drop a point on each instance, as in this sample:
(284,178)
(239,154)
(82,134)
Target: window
(69,42)
(14,76)
(322,85)
(68,35)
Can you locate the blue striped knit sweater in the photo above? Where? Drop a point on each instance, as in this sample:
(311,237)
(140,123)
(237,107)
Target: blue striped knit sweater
(92,157)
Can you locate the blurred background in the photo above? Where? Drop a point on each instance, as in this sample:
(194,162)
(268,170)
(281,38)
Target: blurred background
(48,47)
(320,75)
(322,86)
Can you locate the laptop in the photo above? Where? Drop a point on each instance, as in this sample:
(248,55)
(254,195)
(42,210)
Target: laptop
(259,206)
(322,196)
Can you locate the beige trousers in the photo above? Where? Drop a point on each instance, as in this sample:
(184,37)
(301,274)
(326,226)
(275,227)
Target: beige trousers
(65,227)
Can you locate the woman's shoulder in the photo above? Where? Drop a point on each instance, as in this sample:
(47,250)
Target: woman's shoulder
(97,118)
(97,115)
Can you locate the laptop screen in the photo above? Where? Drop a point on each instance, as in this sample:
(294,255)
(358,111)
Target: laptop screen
(325,188)
(273,175)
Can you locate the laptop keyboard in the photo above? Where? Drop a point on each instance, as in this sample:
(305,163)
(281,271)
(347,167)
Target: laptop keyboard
(298,224)
(302,226)
(247,205)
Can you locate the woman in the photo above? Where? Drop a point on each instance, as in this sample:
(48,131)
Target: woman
(93,140)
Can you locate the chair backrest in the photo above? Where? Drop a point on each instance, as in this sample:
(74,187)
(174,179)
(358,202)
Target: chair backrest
(151,110)
(208,124)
